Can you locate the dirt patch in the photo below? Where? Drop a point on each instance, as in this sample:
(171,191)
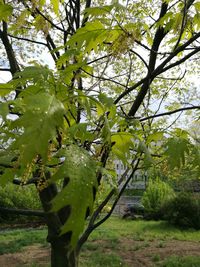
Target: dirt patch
(30,255)
(145,254)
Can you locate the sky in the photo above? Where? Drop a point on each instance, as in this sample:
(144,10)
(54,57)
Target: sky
(5,76)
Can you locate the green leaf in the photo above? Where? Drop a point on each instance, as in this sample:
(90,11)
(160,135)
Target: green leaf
(6,88)
(122,142)
(148,160)
(196,159)
(71,69)
(181,133)
(176,150)
(79,132)
(7,176)
(88,36)
(31,90)
(197,21)
(149,38)
(98,11)
(80,169)
(104,99)
(197,6)
(99,106)
(4,110)
(155,137)
(34,73)
(43,114)
(5,11)
(64,59)
(106,133)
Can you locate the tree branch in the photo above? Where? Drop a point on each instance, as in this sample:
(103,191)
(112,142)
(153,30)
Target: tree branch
(37,213)
(196,50)
(50,43)
(159,35)
(160,69)
(142,59)
(118,197)
(5,69)
(26,39)
(33,180)
(145,82)
(50,22)
(101,78)
(87,5)
(169,113)
(93,226)
(97,59)
(14,67)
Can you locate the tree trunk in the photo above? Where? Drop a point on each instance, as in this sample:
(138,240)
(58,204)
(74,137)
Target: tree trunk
(61,257)
(61,254)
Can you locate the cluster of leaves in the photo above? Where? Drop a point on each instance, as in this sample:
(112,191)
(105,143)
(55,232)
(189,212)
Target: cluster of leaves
(46,136)
(182,156)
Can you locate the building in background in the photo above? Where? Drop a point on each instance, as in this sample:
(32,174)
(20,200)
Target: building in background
(139,179)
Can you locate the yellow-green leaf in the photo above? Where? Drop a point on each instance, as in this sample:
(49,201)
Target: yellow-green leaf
(5,11)
(5,89)
(55,4)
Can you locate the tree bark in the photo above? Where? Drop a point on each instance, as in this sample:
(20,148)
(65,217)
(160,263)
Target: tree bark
(61,256)
(61,253)
(14,67)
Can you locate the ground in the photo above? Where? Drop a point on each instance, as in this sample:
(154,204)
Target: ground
(145,254)
(134,253)
(31,254)
(116,243)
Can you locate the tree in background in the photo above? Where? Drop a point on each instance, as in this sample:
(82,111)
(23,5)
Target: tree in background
(91,82)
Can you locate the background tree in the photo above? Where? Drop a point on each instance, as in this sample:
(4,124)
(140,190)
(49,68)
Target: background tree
(113,68)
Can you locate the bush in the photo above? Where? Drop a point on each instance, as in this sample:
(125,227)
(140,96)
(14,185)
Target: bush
(18,197)
(183,210)
(157,193)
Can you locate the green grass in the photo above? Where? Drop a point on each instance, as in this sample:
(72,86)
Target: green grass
(174,261)
(143,230)
(97,259)
(14,240)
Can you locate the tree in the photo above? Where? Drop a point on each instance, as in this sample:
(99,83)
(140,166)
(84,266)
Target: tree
(113,68)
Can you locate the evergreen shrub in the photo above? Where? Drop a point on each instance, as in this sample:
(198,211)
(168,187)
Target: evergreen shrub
(183,210)
(156,194)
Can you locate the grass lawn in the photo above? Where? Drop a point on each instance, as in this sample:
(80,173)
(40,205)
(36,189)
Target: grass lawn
(116,243)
